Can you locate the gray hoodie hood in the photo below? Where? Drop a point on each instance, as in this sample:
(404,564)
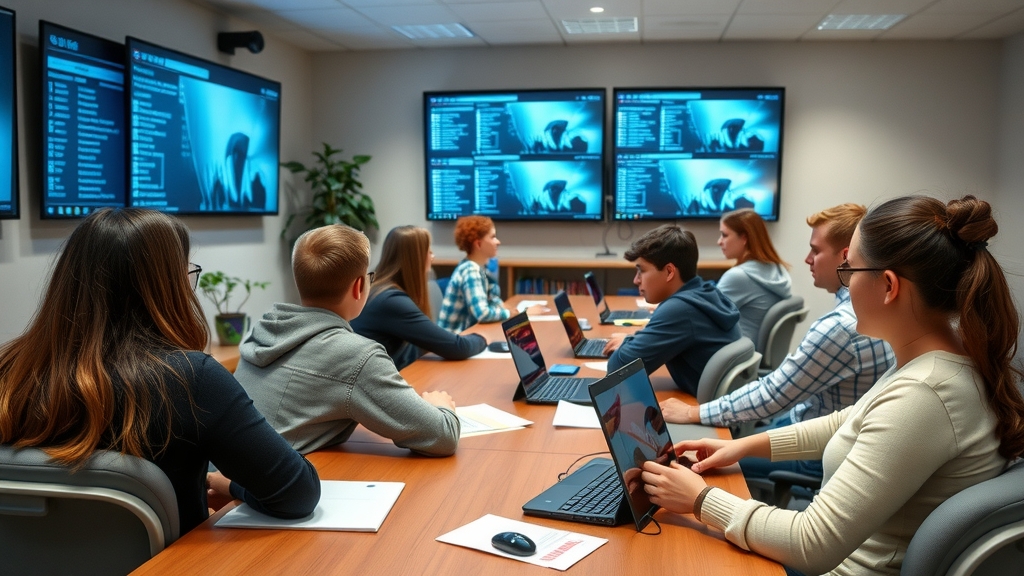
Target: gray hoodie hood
(771,277)
(284,328)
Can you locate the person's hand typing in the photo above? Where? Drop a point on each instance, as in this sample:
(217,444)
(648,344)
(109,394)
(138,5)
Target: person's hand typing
(614,343)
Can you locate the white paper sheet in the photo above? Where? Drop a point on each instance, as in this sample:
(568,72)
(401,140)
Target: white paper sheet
(488,355)
(524,304)
(575,416)
(555,548)
(486,419)
(601,365)
(348,506)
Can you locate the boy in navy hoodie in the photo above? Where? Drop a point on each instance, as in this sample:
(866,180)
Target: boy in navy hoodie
(693,319)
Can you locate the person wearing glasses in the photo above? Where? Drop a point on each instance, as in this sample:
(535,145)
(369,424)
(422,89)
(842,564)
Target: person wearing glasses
(315,379)
(946,417)
(832,367)
(112,361)
(398,311)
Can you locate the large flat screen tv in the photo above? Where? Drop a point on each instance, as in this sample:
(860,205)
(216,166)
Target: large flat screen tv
(203,138)
(696,153)
(515,154)
(8,117)
(82,122)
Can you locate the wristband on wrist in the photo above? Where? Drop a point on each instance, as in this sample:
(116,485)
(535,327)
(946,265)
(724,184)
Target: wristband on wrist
(699,502)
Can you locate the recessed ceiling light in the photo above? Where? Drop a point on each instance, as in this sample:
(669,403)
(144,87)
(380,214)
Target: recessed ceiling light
(433,31)
(597,9)
(601,26)
(860,21)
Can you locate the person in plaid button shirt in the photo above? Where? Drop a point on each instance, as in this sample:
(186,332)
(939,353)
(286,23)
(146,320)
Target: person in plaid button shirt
(473,295)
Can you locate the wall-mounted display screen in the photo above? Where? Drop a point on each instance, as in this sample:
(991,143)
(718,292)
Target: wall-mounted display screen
(82,122)
(203,138)
(515,155)
(8,117)
(697,152)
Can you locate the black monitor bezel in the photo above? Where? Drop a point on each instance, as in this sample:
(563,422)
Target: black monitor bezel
(604,149)
(15,212)
(613,156)
(128,42)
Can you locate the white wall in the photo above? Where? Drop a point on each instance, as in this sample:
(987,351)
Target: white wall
(1006,246)
(243,246)
(864,121)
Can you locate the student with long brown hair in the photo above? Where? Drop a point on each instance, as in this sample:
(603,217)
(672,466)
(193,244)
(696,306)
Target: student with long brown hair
(760,279)
(398,312)
(111,361)
(947,416)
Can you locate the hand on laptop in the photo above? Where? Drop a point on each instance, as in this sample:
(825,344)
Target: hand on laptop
(674,488)
(614,342)
(676,411)
(714,453)
(440,399)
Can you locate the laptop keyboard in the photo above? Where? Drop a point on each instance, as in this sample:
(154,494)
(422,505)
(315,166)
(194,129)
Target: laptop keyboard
(555,388)
(601,497)
(593,348)
(628,315)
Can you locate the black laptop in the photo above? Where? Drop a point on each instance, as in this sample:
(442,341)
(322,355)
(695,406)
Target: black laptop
(607,315)
(635,430)
(535,384)
(581,346)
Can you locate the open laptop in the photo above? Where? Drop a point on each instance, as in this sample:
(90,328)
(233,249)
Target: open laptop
(607,315)
(581,346)
(603,492)
(535,384)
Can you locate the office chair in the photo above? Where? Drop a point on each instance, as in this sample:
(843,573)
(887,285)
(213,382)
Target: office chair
(436,293)
(776,333)
(732,366)
(109,517)
(979,531)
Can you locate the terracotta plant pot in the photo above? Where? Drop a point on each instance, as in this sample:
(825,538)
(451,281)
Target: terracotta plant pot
(231,328)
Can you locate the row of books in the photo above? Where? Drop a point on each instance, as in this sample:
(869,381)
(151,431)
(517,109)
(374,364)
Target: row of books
(549,286)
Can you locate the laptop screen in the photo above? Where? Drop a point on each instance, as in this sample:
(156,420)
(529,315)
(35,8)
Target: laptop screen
(635,430)
(595,290)
(572,325)
(522,343)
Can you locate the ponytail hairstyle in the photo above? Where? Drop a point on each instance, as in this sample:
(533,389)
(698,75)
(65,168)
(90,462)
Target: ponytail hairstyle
(942,249)
(91,370)
(748,223)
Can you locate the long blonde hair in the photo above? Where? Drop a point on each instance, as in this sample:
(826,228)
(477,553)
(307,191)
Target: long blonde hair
(403,264)
(92,366)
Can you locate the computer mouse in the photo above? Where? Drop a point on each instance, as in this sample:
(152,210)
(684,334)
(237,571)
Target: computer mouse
(514,543)
(498,346)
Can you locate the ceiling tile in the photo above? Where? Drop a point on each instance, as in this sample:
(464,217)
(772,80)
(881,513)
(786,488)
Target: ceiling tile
(265,20)
(276,5)
(999,28)
(410,15)
(370,38)
(516,32)
(683,27)
(770,26)
(327,18)
(958,6)
(879,6)
(308,41)
(559,9)
(366,3)
(500,11)
(819,7)
(844,35)
(449,42)
(935,26)
(689,7)
(631,38)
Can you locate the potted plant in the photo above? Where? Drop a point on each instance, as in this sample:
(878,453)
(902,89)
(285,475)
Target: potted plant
(336,192)
(218,287)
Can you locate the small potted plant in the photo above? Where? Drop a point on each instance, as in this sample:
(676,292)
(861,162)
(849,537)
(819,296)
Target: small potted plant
(218,287)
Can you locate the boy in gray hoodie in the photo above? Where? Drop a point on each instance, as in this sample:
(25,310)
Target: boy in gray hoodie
(315,379)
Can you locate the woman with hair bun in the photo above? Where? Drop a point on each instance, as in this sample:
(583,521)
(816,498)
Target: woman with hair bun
(759,279)
(948,416)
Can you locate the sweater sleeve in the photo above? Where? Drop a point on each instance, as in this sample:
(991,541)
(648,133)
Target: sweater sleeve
(265,472)
(384,403)
(905,436)
(668,334)
(410,323)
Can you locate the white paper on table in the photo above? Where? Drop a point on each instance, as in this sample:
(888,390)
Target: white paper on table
(600,365)
(488,355)
(644,304)
(545,318)
(555,548)
(575,416)
(344,505)
(483,418)
(524,304)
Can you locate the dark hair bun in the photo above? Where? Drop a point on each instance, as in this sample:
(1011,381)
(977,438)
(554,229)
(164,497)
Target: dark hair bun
(970,220)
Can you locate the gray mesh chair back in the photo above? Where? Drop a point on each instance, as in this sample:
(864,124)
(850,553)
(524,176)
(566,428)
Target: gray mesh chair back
(977,531)
(106,518)
(776,334)
(732,366)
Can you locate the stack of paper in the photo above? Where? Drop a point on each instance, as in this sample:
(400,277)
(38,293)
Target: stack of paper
(351,506)
(485,419)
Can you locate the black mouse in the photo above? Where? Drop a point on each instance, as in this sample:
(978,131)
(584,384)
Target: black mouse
(514,543)
(498,346)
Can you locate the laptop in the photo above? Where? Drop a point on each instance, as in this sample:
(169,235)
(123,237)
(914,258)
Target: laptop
(535,384)
(607,315)
(605,491)
(581,346)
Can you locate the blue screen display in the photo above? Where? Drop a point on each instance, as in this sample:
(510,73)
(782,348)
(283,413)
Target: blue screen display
(204,138)
(8,118)
(697,153)
(525,155)
(83,122)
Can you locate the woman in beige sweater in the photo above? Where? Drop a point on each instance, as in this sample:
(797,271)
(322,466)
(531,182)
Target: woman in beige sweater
(947,416)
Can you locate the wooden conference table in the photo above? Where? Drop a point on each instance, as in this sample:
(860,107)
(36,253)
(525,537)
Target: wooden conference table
(490,474)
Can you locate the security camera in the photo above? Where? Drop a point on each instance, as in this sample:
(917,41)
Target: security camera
(228,41)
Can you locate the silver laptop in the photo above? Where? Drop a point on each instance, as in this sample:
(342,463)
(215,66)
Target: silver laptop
(581,346)
(535,384)
(607,315)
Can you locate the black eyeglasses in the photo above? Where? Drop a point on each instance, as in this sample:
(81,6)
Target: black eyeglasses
(845,272)
(194,270)
(369,277)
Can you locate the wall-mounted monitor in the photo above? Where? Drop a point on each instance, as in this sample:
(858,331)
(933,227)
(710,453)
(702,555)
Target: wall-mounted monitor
(515,155)
(203,138)
(695,153)
(8,117)
(82,122)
